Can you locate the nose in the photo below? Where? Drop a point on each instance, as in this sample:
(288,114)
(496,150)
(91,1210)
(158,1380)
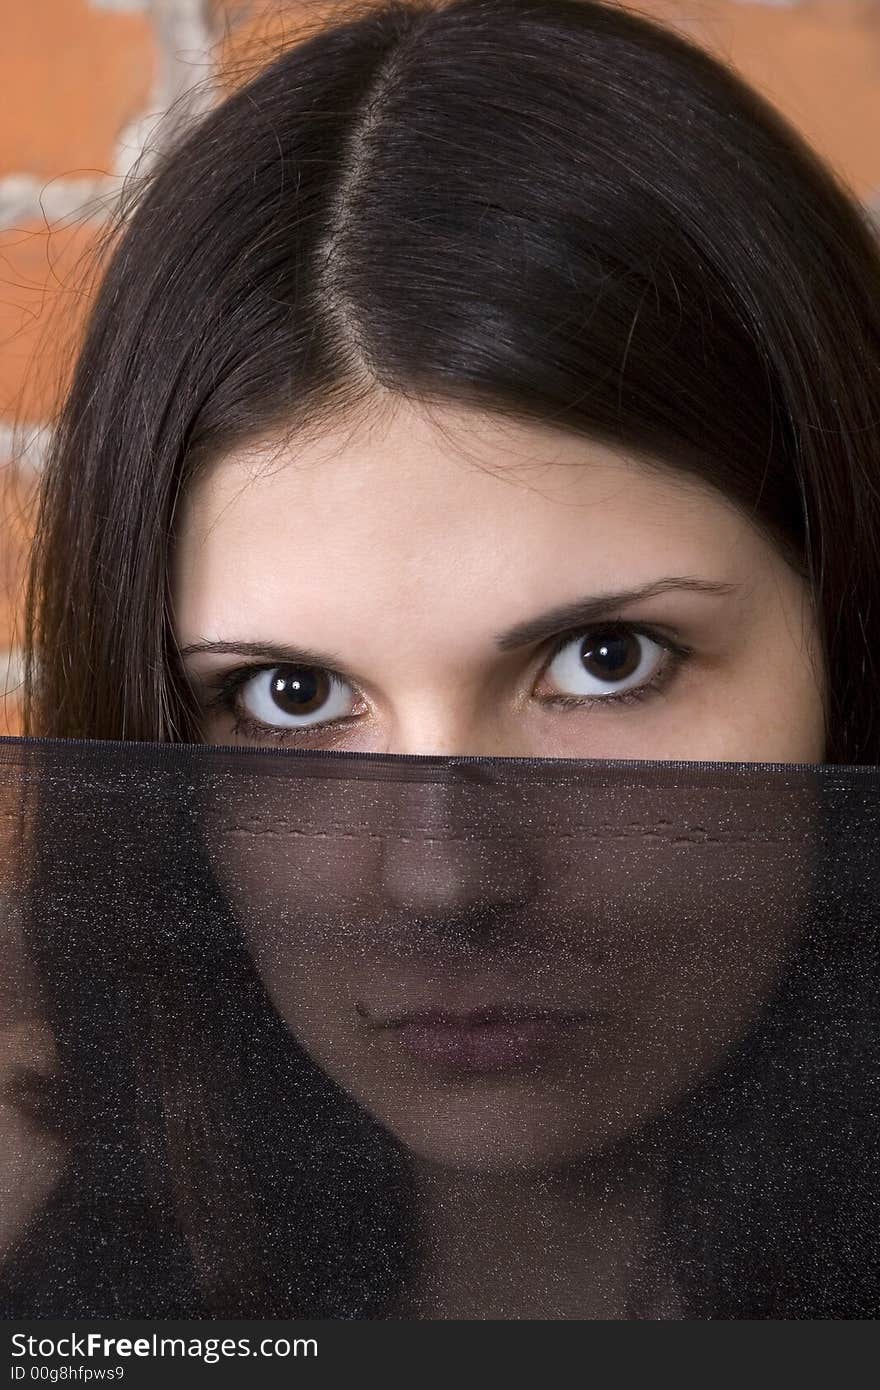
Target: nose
(452,722)
(460,858)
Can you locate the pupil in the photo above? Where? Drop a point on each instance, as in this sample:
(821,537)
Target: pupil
(610,654)
(297,693)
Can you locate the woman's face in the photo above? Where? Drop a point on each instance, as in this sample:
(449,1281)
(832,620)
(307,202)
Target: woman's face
(449,567)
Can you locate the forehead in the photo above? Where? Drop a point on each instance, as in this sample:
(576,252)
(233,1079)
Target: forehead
(480,497)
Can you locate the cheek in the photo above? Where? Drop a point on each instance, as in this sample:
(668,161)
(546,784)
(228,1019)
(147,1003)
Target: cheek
(770,707)
(773,722)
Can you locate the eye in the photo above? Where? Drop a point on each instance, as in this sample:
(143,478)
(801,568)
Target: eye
(284,701)
(612,665)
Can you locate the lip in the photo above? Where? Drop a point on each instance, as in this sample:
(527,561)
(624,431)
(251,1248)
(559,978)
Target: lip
(488,1039)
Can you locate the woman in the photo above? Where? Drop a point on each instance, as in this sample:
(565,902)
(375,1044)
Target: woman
(512,359)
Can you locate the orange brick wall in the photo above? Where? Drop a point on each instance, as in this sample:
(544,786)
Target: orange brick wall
(85,81)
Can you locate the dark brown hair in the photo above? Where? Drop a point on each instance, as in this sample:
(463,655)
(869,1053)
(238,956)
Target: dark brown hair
(555,210)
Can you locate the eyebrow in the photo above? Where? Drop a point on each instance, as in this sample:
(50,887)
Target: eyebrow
(592,609)
(598,607)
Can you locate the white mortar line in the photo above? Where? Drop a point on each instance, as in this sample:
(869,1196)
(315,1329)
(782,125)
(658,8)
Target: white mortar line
(184,36)
(11,670)
(27,198)
(120,6)
(24,444)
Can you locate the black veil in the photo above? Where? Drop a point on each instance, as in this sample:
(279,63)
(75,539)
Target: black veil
(210,1109)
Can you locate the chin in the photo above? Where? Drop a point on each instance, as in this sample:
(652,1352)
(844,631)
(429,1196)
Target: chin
(501,1130)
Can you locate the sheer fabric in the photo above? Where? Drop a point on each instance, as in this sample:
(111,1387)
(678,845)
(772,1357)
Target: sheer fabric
(213,1106)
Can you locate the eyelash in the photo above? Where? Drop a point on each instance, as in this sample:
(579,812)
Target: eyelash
(228,684)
